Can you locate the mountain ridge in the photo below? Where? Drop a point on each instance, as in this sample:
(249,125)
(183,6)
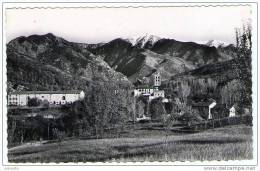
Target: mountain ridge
(119,57)
(49,62)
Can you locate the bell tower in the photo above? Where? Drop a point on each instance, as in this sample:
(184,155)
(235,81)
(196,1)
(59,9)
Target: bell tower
(157,79)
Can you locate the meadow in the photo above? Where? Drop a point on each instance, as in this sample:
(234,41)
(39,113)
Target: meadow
(226,143)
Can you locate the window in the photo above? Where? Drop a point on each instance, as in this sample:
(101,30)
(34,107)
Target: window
(63,98)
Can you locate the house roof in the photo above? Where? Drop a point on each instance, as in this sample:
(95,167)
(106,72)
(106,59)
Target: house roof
(203,103)
(48,92)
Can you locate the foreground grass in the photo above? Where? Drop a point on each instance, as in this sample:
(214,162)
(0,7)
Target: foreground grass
(228,143)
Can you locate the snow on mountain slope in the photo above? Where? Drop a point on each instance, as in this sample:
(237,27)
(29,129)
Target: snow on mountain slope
(211,43)
(147,40)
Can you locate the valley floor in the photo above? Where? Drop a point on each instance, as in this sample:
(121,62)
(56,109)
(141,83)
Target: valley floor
(227,143)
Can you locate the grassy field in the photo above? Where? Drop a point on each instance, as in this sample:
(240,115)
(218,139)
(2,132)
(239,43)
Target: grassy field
(227,143)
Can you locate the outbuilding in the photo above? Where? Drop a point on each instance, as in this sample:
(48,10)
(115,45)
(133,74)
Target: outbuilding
(232,111)
(205,107)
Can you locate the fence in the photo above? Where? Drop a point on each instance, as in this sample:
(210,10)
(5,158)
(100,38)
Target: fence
(243,119)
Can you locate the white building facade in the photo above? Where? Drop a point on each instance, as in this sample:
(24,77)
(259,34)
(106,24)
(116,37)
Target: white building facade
(143,91)
(152,93)
(157,94)
(53,97)
(211,106)
(232,112)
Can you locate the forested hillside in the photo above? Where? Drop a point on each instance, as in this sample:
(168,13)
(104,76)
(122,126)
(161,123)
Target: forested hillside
(228,82)
(51,63)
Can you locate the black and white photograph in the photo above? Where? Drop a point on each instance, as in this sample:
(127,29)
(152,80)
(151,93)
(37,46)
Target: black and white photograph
(115,84)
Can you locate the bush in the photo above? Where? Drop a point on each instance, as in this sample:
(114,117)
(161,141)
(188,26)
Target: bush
(157,109)
(57,134)
(45,104)
(33,102)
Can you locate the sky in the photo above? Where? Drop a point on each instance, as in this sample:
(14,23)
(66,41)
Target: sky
(94,25)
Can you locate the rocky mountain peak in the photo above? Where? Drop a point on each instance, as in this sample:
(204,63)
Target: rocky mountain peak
(143,41)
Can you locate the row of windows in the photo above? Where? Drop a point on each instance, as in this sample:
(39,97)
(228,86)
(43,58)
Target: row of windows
(63,97)
(59,102)
(28,97)
(159,94)
(54,102)
(145,90)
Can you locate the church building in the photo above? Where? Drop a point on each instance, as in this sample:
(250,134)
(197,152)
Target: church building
(153,91)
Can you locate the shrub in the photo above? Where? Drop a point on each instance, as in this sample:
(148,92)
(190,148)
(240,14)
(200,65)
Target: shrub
(57,134)
(33,102)
(45,104)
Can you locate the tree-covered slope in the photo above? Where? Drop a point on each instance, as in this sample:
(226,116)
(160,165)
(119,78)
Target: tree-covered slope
(48,62)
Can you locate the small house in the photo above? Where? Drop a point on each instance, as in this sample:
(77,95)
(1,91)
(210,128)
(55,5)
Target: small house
(232,112)
(143,118)
(205,107)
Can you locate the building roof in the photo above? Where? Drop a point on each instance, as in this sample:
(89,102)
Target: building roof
(48,92)
(203,103)
(158,91)
(146,87)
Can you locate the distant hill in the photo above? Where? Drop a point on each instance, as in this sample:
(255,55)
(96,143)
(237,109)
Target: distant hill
(222,71)
(195,53)
(233,75)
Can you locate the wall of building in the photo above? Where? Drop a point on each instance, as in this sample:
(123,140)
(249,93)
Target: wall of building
(70,98)
(159,93)
(53,99)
